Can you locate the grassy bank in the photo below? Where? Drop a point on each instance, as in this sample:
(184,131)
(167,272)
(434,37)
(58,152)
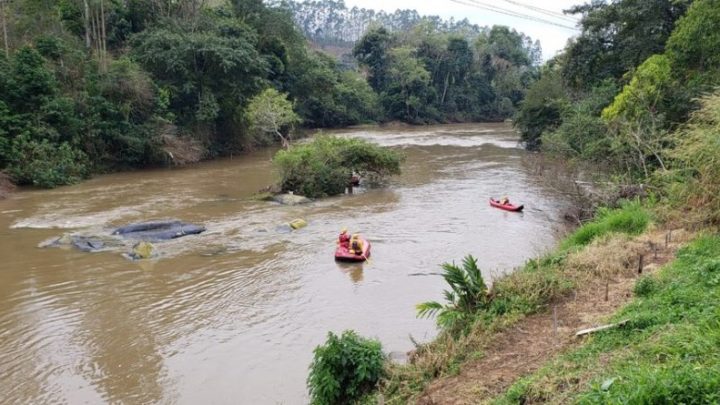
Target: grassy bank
(668,352)
(596,251)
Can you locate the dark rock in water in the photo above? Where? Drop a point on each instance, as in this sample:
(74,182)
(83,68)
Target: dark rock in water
(83,243)
(158,230)
(291,199)
(87,244)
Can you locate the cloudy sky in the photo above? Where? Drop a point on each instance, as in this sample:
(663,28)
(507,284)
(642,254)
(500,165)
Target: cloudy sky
(552,37)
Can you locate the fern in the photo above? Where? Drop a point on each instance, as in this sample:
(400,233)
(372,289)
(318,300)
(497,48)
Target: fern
(467,295)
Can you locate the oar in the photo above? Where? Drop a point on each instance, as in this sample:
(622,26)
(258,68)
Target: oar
(367,259)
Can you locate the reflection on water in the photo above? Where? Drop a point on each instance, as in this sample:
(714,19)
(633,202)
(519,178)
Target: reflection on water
(232,315)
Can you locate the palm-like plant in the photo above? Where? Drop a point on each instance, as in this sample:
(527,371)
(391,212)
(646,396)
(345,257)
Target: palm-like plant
(467,294)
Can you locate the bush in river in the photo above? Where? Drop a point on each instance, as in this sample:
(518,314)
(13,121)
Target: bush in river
(324,166)
(344,368)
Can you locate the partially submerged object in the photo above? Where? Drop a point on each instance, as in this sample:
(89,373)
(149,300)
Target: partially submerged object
(142,250)
(158,230)
(82,242)
(507,206)
(345,254)
(290,199)
(298,224)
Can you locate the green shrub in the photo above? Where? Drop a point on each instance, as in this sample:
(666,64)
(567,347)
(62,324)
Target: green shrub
(46,165)
(467,295)
(344,368)
(324,166)
(645,286)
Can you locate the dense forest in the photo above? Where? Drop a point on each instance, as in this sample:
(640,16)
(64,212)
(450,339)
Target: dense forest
(88,86)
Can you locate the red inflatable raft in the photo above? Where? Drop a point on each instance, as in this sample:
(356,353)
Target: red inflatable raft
(506,207)
(343,254)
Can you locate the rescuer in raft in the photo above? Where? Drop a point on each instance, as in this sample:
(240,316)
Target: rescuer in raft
(344,239)
(505,200)
(356,244)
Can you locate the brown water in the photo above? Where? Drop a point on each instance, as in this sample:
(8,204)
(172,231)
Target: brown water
(231,316)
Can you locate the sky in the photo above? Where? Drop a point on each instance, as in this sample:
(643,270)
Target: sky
(552,38)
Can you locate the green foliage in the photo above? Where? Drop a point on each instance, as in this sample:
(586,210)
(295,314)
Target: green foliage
(582,132)
(324,166)
(169,69)
(209,66)
(645,286)
(693,46)
(467,295)
(326,97)
(408,94)
(344,368)
(43,164)
(666,353)
(429,76)
(631,219)
(270,113)
(371,51)
(617,37)
(542,107)
(645,91)
(697,159)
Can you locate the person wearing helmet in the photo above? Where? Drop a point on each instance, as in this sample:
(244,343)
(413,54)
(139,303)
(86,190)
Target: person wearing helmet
(344,238)
(505,200)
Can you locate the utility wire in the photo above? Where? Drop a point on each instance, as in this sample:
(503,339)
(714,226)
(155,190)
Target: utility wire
(545,11)
(500,10)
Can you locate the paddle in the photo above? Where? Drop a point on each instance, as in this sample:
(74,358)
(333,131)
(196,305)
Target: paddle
(367,259)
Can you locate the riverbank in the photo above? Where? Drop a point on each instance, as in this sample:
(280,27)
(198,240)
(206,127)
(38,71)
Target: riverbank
(535,313)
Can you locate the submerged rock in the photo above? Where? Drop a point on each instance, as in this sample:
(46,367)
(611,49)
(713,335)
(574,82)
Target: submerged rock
(291,199)
(158,230)
(82,242)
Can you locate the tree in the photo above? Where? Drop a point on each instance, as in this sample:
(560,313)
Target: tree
(209,67)
(409,94)
(617,37)
(371,51)
(270,113)
(542,107)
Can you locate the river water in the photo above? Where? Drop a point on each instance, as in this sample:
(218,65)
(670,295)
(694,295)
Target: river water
(231,316)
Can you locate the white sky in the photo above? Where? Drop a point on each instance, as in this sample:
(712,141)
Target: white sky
(552,38)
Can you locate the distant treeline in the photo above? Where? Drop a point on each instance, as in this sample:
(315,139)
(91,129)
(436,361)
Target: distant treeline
(331,22)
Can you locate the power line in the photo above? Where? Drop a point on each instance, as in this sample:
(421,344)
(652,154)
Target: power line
(541,10)
(500,10)
(513,13)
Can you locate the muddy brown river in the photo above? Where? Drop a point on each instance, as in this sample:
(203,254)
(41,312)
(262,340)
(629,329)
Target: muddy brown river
(231,316)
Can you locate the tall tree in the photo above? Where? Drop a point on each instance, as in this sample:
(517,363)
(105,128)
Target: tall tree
(372,52)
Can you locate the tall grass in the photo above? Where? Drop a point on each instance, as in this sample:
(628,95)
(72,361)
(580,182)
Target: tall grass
(631,219)
(669,351)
